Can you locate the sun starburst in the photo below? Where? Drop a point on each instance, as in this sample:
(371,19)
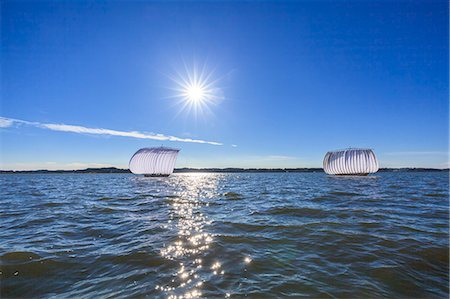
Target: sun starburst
(195,90)
(195,93)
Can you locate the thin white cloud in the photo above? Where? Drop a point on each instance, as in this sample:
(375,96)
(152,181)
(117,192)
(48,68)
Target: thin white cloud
(234,145)
(7,122)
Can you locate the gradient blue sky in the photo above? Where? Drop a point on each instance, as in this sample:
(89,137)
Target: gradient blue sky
(295,80)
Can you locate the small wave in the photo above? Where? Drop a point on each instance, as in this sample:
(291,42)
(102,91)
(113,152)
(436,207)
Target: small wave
(37,194)
(412,229)
(436,255)
(150,259)
(322,198)
(34,222)
(313,226)
(29,264)
(293,289)
(105,198)
(246,239)
(106,210)
(386,272)
(51,204)
(233,196)
(19,256)
(436,195)
(250,227)
(127,198)
(370,224)
(163,196)
(295,211)
(394,186)
(341,193)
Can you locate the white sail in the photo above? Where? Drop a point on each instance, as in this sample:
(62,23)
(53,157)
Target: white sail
(350,161)
(154,161)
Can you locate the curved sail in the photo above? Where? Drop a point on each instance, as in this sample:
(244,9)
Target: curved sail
(154,161)
(350,161)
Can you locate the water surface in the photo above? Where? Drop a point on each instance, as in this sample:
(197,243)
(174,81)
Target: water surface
(236,235)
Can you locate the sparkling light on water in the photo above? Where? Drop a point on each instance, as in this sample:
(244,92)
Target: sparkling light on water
(193,241)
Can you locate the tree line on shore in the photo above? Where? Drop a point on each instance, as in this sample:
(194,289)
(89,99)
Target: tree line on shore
(213,170)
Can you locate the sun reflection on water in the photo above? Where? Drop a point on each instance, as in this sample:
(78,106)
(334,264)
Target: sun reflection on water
(193,240)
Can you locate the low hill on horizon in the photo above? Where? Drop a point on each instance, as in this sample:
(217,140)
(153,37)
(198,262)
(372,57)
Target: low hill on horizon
(212,170)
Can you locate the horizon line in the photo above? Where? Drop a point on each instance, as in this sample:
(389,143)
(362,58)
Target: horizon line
(209,168)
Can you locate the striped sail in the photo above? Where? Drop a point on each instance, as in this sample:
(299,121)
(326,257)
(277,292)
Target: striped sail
(154,161)
(350,161)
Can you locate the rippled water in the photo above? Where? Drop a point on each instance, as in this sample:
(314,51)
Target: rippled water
(224,235)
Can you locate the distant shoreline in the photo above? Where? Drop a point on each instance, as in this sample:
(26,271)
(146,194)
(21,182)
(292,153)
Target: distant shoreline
(212,170)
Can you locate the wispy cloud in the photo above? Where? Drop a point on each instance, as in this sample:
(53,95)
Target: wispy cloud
(8,122)
(5,123)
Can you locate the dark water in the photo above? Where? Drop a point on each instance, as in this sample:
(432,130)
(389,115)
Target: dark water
(224,235)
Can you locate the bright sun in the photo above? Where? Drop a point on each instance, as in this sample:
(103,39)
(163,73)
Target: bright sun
(195,93)
(196,90)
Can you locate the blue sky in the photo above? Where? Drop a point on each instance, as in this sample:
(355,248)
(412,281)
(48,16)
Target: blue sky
(291,81)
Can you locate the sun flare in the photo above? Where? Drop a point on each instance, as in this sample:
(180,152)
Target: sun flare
(195,93)
(196,90)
